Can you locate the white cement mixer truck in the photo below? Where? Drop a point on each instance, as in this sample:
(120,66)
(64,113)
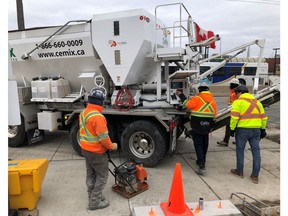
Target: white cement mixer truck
(127,54)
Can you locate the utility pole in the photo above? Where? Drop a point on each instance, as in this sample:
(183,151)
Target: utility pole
(20,15)
(275,58)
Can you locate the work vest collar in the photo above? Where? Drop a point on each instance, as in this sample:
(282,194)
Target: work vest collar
(94,106)
(246,95)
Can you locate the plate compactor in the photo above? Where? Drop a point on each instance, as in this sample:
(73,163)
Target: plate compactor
(130,178)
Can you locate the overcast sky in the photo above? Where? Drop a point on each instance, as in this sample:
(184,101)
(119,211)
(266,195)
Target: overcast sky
(237,22)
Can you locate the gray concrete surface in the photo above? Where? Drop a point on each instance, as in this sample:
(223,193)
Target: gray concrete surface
(64,190)
(210,208)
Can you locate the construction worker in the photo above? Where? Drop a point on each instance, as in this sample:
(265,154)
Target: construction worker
(95,141)
(234,83)
(248,123)
(203,112)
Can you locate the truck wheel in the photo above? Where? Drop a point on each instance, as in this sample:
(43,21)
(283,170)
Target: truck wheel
(17,135)
(144,142)
(75,138)
(112,130)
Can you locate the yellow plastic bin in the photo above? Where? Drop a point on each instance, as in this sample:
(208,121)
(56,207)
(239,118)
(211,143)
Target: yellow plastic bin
(25,178)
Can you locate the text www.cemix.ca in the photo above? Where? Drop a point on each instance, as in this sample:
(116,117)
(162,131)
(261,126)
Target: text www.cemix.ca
(61,53)
(60,44)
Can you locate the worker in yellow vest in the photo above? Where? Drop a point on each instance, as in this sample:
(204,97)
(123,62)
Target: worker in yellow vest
(248,123)
(203,111)
(95,141)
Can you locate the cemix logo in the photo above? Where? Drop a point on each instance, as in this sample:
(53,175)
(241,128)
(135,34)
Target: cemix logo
(144,18)
(112,43)
(36,133)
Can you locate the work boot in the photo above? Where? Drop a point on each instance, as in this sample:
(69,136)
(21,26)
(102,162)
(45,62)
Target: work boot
(235,172)
(254,179)
(201,170)
(222,143)
(102,196)
(100,205)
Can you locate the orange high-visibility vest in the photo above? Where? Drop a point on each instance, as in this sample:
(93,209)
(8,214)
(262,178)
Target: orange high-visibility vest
(93,130)
(247,112)
(232,97)
(202,105)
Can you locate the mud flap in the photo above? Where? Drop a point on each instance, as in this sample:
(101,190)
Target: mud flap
(35,135)
(173,138)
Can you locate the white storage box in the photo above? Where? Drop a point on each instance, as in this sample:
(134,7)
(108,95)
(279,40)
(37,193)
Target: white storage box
(60,88)
(49,120)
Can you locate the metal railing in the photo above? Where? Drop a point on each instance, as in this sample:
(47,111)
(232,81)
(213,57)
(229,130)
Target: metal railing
(178,30)
(26,56)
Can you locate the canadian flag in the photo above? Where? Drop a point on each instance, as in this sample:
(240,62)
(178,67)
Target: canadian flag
(202,35)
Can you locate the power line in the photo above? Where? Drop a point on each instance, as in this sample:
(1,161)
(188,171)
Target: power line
(259,2)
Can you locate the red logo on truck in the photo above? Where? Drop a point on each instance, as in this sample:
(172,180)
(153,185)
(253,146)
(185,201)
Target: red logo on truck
(112,43)
(144,18)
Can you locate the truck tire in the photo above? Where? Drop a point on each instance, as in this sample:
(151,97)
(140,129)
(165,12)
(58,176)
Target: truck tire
(17,135)
(75,138)
(145,142)
(112,130)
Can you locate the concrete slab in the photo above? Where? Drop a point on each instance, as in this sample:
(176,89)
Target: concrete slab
(210,208)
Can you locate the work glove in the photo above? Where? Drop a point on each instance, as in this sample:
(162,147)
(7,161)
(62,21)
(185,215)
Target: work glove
(232,133)
(263,133)
(114,147)
(181,96)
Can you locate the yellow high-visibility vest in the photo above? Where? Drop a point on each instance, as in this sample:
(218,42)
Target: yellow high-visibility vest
(247,112)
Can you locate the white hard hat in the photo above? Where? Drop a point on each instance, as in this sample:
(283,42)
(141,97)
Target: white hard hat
(203,84)
(234,81)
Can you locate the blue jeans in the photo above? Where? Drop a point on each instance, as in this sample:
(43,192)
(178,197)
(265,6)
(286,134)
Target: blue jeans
(252,135)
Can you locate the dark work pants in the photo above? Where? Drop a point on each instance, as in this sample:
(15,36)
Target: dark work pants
(227,132)
(96,175)
(201,146)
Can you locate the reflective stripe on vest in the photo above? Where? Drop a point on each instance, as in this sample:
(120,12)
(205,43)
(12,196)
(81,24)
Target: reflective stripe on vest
(248,114)
(88,136)
(200,112)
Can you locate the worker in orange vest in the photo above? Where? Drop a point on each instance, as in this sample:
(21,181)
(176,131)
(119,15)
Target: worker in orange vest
(95,141)
(234,83)
(203,111)
(248,122)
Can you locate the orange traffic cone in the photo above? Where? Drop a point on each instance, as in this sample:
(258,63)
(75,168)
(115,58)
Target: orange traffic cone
(176,204)
(219,205)
(152,213)
(197,210)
